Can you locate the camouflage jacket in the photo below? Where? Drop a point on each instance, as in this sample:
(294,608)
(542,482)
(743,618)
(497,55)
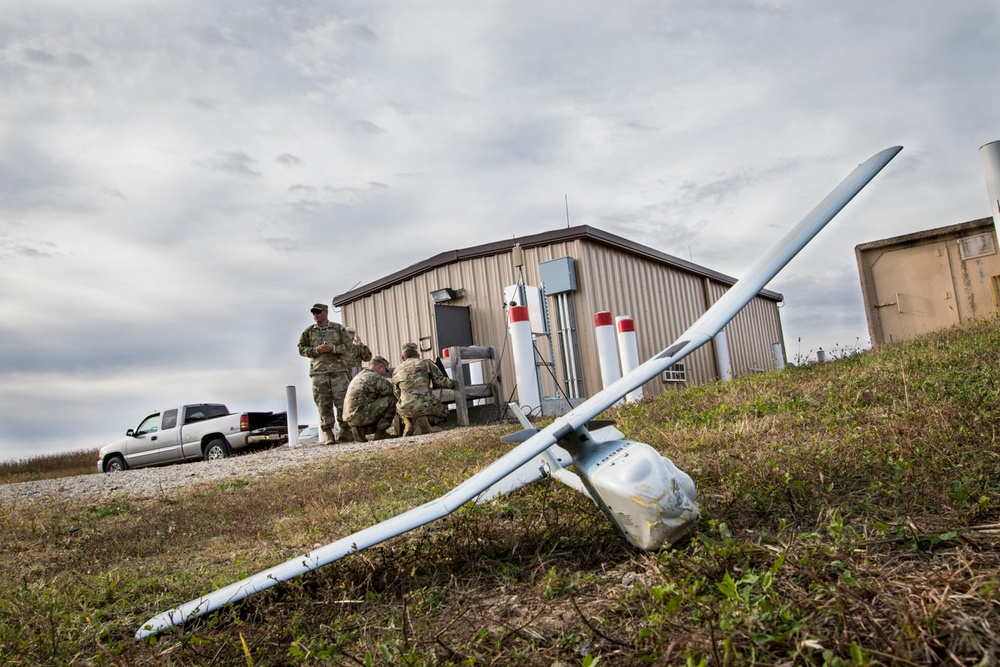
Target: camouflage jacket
(412,381)
(339,360)
(366,388)
(361,353)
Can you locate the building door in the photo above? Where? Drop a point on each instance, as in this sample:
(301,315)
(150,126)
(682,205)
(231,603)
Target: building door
(914,291)
(453,329)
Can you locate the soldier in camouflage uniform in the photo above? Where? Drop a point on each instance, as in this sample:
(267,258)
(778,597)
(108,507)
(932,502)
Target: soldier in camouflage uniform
(361,352)
(412,382)
(370,404)
(330,348)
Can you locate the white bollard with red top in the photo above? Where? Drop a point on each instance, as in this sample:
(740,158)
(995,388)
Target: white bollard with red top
(528,396)
(607,349)
(628,350)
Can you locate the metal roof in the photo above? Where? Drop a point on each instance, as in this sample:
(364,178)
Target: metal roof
(916,237)
(579,232)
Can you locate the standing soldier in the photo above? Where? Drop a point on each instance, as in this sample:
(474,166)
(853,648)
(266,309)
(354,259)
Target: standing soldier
(330,349)
(412,382)
(370,404)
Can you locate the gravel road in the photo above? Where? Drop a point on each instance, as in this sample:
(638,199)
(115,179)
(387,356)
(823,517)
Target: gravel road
(167,480)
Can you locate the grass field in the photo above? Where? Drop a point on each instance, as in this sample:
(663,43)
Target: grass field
(49,466)
(850,516)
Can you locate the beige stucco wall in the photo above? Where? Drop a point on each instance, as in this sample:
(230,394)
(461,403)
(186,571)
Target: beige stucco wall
(922,282)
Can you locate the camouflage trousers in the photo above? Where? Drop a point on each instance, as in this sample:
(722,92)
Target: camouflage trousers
(328,393)
(426,405)
(378,414)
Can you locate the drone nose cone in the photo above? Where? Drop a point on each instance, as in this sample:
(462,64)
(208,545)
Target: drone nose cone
(646,495)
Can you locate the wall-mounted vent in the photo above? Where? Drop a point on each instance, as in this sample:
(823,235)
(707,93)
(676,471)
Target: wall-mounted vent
(979,245)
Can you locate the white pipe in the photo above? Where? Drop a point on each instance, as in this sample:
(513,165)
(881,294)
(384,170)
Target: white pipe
(572,381)
(722,356)
(564,340)
(607,350)
(292,416)
(628,351)
(779,357)
(561,330)
(528,394)
(570,322)
(990,154)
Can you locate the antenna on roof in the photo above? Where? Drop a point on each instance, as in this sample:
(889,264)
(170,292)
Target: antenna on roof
(566,197)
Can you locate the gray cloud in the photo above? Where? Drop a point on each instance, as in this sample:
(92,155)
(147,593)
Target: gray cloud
(365,127)
(38,56)
(232,162)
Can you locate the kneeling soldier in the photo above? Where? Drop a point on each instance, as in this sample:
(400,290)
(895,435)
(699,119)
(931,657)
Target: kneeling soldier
(370,404)
(413,381)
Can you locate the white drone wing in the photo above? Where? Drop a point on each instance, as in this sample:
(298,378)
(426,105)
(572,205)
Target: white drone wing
(706,327)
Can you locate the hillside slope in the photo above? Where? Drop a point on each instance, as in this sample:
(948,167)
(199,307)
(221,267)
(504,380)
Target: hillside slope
(850,516)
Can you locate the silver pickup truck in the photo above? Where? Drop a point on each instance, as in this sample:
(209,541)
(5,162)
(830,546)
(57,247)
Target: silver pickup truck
(199,431)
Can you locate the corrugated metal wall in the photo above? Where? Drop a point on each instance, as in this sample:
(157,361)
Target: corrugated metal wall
(404,312)
(752,334)
(663,300)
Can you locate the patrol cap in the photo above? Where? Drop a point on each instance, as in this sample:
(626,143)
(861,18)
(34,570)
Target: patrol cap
(380,360)
(410,346)
(316,307)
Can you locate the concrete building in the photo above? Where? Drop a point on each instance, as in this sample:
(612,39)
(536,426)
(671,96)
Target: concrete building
(460,297)
(929,280)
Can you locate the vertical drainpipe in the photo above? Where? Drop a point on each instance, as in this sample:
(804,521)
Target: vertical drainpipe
(779,356)
(722,357)
(990,154)
(707,295)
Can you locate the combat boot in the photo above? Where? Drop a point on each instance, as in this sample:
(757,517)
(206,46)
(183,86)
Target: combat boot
(407,427)
(345,434)
(329,438)
(381,434)
(422,426)
(358,435)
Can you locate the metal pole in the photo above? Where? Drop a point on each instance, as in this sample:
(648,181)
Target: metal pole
(292,416)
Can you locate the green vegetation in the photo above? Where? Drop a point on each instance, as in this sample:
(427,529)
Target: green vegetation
(849,517)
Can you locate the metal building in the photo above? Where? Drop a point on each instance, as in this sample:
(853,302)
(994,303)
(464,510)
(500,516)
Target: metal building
(929,280)
(460,297)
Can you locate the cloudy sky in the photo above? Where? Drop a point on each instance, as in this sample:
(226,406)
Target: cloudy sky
(180,180)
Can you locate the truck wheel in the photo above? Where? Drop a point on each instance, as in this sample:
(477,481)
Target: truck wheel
(216,449)
(115,464)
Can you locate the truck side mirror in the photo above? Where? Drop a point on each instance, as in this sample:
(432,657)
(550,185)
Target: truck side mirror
(130,433)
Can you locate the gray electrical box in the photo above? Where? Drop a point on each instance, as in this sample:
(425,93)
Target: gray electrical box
(558,275)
